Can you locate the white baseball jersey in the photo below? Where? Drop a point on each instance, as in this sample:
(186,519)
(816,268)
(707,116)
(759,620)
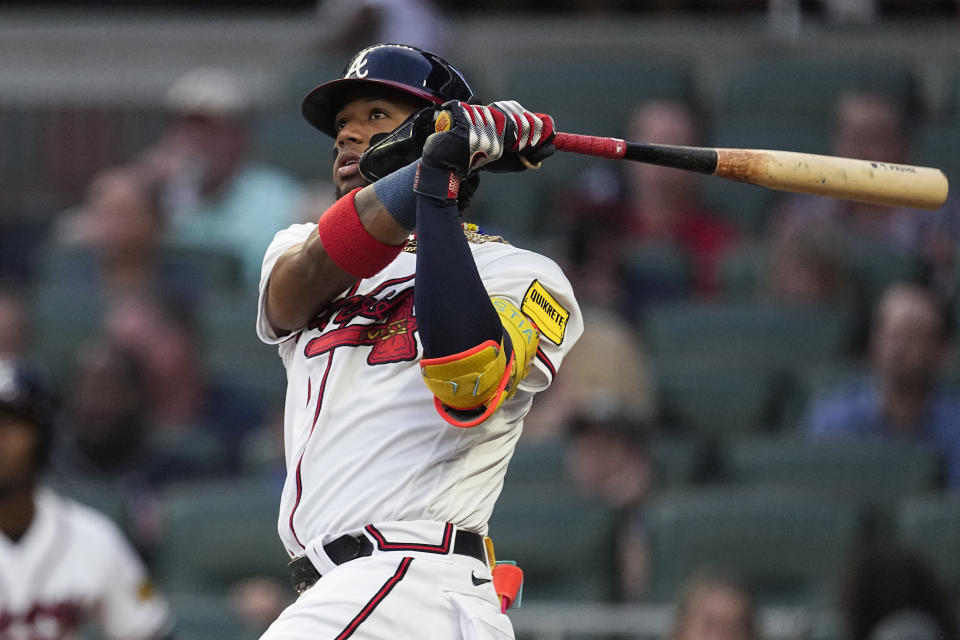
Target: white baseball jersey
(363,441)
(73,566)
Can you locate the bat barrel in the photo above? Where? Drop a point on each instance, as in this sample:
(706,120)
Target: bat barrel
(846,178)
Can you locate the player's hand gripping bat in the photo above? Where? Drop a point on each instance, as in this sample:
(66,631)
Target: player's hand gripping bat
(861,180)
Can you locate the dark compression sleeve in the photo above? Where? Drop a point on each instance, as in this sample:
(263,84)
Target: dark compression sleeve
(454,311)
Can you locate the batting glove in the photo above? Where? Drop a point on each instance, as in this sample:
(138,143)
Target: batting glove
(467,137)
(534,138)
(500,137)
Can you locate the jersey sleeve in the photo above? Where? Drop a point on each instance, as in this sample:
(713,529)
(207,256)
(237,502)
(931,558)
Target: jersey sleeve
(283,240)
(131,608)
(538,287)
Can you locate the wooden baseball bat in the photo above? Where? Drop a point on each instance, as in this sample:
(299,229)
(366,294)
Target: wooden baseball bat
(847,178)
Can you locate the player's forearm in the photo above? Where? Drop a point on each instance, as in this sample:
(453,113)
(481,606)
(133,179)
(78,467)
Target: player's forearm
(305,278)
(375,218)
(303,281)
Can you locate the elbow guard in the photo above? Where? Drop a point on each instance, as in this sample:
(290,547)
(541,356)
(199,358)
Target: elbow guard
(470,385)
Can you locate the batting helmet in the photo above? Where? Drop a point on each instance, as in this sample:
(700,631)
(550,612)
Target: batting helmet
(413,71)
(22,397)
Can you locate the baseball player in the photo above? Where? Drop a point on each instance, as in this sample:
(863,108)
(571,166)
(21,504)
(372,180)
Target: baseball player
(62,565)
(413,346)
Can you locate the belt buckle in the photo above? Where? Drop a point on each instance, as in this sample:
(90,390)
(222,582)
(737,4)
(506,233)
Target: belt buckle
(303,574)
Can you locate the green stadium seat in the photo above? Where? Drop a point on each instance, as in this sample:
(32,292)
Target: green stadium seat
(285,140)
(538,462)
(874,473)
(747,333)
(232,350)
(308,75)
(711,400)
(938,145)
(677,461)
(951,108)
(741,272)
(787,545)
(62,319)
(930,524)
(876,267)
(563,541)
(654,271)
(510,205)
(872,268)
(218,270)
(218,532)
(775,85)
(102,496)
(593,97)
(596,97)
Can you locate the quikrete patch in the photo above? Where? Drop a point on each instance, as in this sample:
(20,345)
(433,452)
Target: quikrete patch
(548,314)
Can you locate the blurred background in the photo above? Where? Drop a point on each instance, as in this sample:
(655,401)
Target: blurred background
(759,434)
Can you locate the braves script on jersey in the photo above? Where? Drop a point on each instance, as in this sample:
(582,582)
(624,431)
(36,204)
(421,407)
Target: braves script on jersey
(73,566)
(363,441)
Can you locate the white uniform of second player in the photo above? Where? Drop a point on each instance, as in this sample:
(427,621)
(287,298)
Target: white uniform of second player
(73,566)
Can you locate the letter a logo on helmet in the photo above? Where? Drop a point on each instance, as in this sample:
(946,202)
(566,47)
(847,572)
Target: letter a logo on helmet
(403,68)
(355,69)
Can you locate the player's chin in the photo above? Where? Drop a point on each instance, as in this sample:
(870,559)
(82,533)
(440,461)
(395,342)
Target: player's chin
(349,184)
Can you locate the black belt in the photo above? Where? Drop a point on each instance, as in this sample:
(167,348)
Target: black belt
(304,575)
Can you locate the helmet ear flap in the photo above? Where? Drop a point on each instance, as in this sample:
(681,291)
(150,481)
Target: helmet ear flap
(394,150)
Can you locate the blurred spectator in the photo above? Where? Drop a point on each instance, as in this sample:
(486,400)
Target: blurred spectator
(609,460)
(107,442)
(14,334)
(62,564)
(903,398)
(106,431)
(591,218)
(714,605)
(875,127)
(609,453)
(110,246)
(646,238)
(209,189)
(663,203)
(184,401)
(352,24)
(888,592)
(809,267)
(608,361)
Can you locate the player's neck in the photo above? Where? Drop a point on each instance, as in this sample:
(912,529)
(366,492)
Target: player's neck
(17,510)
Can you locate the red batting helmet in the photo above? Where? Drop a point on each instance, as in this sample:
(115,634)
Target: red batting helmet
(413,71)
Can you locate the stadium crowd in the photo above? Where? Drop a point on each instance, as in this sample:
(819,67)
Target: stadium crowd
(764,408)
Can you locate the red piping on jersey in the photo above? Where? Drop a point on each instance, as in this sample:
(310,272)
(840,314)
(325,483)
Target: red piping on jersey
(376,599)
(383,545)
(542,357)
(316,414)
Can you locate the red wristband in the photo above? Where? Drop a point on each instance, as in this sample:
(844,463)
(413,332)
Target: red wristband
(349,244)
